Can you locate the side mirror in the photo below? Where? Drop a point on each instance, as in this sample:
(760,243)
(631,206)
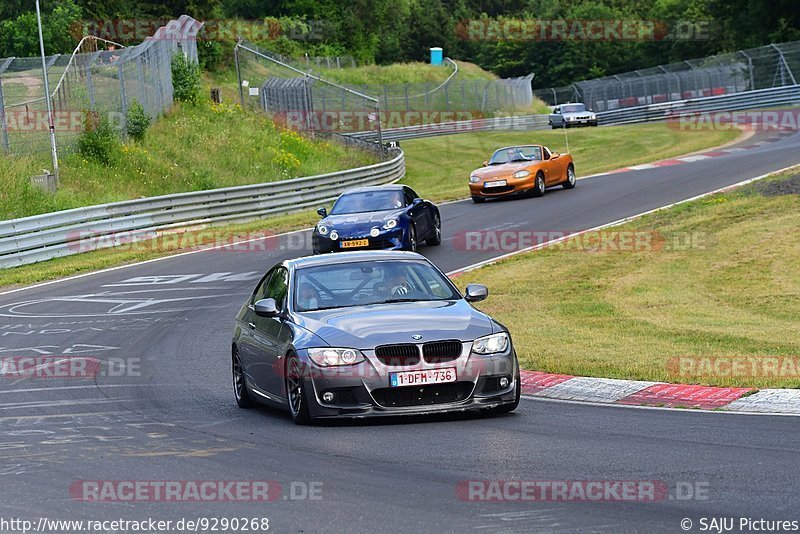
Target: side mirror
(554,155)
(322,212)
(417,201)
(266,308)
(476,293)
(485,163)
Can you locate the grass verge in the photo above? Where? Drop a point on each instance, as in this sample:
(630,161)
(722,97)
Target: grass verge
(439,167)
(713,300)
(192,148)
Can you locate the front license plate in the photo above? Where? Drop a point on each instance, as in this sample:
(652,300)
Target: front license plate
(421,378)
(355,243)
(496,183)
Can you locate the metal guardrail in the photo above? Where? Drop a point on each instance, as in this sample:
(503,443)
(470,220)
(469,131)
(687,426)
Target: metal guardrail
(763,98)
(511,123)
(63,233)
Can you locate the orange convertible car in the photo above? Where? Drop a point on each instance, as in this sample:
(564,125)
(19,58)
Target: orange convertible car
(516,170)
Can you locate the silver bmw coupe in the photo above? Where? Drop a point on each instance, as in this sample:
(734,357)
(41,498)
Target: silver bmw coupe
(362,334)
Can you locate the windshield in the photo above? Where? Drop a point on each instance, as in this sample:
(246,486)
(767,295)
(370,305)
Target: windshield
(573,108)
(363,201)
(516,153)
(375,282)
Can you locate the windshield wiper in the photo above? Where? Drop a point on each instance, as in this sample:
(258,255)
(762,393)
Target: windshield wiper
(392,301)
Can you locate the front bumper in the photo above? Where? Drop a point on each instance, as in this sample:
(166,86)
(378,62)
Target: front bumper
(514,186)
(394,239)
(364,390)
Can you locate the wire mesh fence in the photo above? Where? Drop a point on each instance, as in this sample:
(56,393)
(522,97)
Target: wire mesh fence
(99,78)
(724,74)
(480,97)
(304,101)
(294,97)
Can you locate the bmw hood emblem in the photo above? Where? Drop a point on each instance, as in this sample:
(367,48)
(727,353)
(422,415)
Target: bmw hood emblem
(416,337)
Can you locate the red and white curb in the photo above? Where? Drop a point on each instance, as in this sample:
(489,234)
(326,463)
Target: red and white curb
(659,394)
(694,157)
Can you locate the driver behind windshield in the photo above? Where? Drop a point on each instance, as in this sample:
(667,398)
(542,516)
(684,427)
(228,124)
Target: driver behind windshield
(308,297)
(398,283)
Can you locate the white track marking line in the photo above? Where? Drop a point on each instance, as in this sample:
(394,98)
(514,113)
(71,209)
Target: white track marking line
(56,416)
(614,223)
(721,411)
(60,388)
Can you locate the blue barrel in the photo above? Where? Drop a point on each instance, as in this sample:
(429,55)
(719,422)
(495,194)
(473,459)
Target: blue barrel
(436,56)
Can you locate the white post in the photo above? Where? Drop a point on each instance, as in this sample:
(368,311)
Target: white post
(51,123)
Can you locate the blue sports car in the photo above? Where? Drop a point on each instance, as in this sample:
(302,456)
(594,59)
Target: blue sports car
(390,217)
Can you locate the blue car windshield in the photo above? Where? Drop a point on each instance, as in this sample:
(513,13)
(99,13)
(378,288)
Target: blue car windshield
(364,201)
(516,153)
(349,284)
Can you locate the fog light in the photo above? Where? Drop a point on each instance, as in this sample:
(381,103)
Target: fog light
(328,396)
(504,382)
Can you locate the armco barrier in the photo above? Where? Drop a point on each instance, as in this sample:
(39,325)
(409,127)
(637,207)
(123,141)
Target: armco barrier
(511,123)
(62,233)
(779,96)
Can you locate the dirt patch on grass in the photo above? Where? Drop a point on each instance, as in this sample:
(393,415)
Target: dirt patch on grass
(774,188)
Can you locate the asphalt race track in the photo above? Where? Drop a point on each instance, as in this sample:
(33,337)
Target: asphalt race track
(161,407)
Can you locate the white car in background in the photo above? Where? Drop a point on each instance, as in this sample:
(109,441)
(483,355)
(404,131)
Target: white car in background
(568,115)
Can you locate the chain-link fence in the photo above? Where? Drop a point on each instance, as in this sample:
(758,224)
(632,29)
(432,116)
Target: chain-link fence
(100,77)
(479,97)
(281,86)
(271,83)
(329,62)
(725,74)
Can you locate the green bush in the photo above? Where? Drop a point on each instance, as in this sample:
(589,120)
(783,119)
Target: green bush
(99,141)
(185,79)
(137,121)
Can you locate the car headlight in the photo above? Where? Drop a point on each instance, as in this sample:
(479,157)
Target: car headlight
(329,357)
(474,179)
(334,236)
(375,232)
(490,344)
(391,223)
(322,229)
(521,174)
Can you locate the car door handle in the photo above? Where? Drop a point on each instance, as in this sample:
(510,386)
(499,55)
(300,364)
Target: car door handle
(252,326)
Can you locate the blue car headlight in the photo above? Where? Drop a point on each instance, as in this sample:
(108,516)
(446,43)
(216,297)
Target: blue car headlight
(490,344)
(391,223)
(330,357)
(322,229)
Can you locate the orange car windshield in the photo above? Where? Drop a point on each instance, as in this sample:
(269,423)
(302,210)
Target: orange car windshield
(516,153)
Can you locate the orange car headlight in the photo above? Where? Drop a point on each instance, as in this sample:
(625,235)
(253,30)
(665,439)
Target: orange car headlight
(521,174)
(474,179)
